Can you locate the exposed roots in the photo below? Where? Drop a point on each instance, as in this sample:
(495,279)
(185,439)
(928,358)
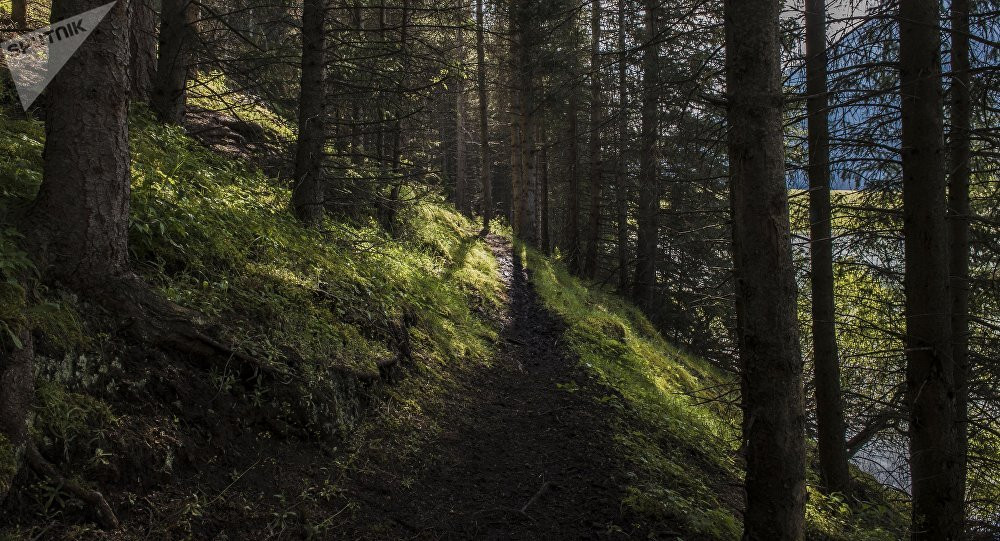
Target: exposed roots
(105,516)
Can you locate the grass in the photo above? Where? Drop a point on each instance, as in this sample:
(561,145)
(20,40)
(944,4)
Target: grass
(676,429)
(216,235)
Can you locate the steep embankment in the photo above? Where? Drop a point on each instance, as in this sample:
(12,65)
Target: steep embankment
(327,316)
(423,384)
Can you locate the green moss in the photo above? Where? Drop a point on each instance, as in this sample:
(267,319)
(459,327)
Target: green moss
(680,442)
(681,450)
(216,235)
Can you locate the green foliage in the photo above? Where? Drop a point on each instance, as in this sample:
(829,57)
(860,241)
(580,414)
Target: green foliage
(683,448)
(71,424)
(213,91)
(217,236)
(830,517)
(680,439)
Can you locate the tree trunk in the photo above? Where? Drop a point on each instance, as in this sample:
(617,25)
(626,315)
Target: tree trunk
(307,192)
(958,203)
(177,38)
(486,162)
(462,196)
(357,116)
(19,14)
(771,364)
(590,262)
(649,182)
(79,221)
(142,49)
(834,472)
(544,243)
(621,182)
(77,227)
(572,235)
(930,378)
(524,224)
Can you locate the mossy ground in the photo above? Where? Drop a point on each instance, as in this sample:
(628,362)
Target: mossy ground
(679,425)
(216,235)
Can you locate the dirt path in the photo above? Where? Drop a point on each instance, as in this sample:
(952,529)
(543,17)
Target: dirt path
(522,456)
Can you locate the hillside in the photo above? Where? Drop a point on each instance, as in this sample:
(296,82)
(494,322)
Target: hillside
(425,383)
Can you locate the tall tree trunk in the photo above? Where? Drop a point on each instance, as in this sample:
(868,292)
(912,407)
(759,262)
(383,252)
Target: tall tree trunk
(515,128)
(930,377)
(307,191)
(486,162)
(177,38)
(19,14)
(621,181)
(525,225)
(79,221)
(771,363)
(590,262)
(142,46)
(829,411)
(390,207)
(357,116)
(649,182)
(572,234)
(77,227)
(462,196)
(958,203)
(544,243)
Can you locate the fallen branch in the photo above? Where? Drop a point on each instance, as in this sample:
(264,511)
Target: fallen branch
(545,487)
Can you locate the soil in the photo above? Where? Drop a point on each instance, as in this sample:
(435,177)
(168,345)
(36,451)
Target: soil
(527,452)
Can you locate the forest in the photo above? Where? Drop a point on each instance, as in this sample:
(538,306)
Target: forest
(500,269)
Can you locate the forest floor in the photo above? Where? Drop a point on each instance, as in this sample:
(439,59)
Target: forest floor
(526,451)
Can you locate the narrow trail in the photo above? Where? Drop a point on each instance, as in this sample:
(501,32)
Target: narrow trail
(526,453)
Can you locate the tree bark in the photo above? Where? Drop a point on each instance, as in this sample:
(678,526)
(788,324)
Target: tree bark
(834,472)
(77,227)
(307,192)
(960,213)
(486,162)
(767,331)
(571,237)
(649,182)
(930,377)
(590,261)
(621,181)
(544,242)
(462,196)
(142,49)
(19,14)
(79,221)
(177,38)
(525,226)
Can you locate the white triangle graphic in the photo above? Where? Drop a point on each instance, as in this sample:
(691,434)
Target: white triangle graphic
(35,58)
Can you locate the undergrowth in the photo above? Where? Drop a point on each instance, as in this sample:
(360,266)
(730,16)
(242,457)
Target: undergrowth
(216,235)
(679,427)
(317,305)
